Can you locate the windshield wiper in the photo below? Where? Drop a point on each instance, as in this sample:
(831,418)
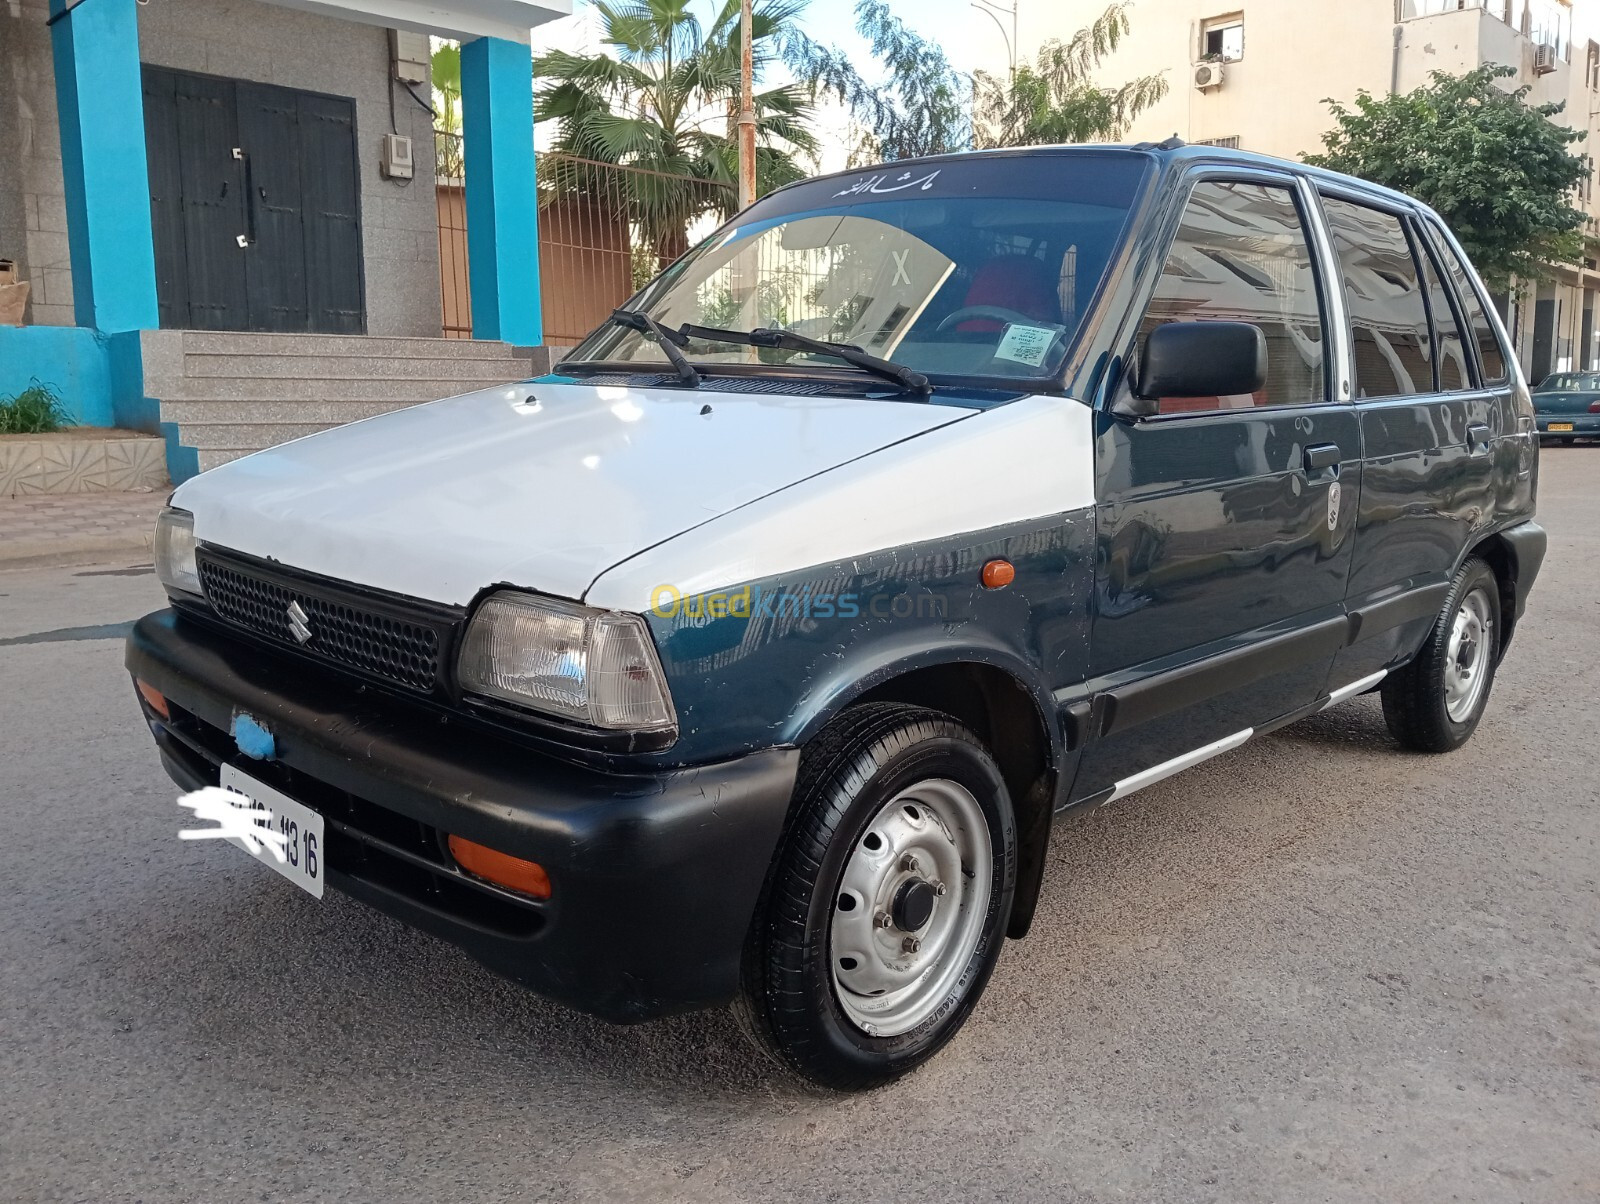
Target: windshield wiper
(787,340)
(665,337)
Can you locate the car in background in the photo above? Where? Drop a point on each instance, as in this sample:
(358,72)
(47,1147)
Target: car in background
(1566,406)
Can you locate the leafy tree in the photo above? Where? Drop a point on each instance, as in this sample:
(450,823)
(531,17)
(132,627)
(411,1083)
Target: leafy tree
(1496,168)
(921,106)
(1053,100)
(665,98)
(446,76)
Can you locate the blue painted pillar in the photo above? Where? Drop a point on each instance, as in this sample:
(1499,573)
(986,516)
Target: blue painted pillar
(502,203)
(100,100)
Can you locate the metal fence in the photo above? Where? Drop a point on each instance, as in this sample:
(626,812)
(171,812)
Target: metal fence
(604,230)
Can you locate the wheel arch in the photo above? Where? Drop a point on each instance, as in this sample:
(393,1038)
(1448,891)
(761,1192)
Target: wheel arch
(1007,714)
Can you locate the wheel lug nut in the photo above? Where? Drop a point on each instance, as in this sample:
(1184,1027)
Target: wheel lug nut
(939,888)
(910,864)
(911,945)
(882,920)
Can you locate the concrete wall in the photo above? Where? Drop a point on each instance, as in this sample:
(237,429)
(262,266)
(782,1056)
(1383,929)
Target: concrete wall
(1296,54)
(238,39)
(68,359)
(33,215)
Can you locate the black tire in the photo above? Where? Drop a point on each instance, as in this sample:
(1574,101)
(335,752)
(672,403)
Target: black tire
(789,1004)
(1415,698)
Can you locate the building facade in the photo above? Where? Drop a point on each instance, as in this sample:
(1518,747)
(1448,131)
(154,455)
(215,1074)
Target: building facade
(255,170)
(1257,75)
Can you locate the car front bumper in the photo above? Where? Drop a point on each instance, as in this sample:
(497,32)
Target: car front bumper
(1583,425)
(655,875)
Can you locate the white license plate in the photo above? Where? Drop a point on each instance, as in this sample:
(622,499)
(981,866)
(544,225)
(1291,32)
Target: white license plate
(303,862)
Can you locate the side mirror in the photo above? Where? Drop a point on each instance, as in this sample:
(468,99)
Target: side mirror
(1200,359)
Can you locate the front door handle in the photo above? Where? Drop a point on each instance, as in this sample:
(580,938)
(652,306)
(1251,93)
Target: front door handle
(1320,457)
(1477,438)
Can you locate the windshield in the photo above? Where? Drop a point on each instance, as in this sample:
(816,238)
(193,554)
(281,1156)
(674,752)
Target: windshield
(1570,382)
(968,267)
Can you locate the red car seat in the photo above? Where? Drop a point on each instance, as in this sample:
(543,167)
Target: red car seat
(1016,282)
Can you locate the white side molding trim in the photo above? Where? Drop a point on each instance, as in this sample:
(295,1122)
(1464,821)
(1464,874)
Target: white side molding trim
(1178,764)
(1354,688)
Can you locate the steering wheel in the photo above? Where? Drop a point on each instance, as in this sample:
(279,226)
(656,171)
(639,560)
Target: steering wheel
(995,313)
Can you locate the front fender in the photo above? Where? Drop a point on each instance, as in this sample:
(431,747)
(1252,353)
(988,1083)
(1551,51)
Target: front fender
(877,664)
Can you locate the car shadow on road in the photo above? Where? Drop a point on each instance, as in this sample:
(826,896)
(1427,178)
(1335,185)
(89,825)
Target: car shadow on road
(284,988)
(1356,723)
(224,952)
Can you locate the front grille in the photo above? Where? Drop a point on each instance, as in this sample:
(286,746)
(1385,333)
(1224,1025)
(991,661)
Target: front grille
(375,637)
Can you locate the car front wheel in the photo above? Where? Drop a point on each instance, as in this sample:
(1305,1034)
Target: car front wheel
(887,904)
(1434,703)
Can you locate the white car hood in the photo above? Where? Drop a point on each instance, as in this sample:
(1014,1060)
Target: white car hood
(537,485)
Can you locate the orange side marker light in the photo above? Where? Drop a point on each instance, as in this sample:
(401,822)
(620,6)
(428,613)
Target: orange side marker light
(998,574)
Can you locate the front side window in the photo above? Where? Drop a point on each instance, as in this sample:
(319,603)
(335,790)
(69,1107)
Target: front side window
(1241,255)
(1388,320)
(980,267)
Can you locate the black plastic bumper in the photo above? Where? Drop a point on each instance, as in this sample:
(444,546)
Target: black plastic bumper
(655,876)
(1528,542)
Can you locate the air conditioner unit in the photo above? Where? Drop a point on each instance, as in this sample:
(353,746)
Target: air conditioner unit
(1207,76)
(1544,59)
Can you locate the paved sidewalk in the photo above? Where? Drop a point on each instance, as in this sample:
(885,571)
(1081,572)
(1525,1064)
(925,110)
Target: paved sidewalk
(64,526)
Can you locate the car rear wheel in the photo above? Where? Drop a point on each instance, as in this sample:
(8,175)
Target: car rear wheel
(887,905)
(1434,703)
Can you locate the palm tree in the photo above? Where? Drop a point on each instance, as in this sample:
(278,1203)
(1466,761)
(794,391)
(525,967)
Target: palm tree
(1053,100)
(664,100)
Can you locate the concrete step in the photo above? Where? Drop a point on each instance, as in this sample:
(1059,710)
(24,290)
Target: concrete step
(201,342)
(85,460)
(218,364)
(247,436)
(343,388)
(213,413)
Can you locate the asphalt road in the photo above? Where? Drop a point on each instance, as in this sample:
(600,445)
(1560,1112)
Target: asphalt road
(1316,969)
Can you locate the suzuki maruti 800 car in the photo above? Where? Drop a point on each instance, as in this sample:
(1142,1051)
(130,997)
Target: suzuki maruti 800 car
(748,658)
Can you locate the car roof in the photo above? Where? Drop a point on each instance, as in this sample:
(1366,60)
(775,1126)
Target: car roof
(1171,154)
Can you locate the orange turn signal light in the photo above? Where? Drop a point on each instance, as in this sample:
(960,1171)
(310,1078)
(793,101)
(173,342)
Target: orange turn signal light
(502,869)
(154,698)
(998,574)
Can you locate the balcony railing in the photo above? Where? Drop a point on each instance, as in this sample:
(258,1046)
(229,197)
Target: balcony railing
(1546,22)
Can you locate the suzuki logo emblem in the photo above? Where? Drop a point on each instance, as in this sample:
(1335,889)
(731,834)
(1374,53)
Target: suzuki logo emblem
(299,623)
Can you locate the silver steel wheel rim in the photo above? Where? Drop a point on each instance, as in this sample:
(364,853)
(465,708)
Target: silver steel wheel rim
(888,978)
(1467,657)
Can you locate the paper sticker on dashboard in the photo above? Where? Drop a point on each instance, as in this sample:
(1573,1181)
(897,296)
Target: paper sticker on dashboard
(1025,344)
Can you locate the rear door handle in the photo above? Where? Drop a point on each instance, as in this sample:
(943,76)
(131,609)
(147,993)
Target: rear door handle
(1319,457)
(1477,438)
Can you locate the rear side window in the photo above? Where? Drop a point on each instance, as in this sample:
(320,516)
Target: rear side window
(1450,345)
(1241,255)
(1489,353)
(1388,319)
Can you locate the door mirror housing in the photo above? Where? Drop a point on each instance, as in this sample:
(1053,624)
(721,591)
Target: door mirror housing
(1199,359)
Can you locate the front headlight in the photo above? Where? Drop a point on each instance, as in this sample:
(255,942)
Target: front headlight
(175,566)
(595,666)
